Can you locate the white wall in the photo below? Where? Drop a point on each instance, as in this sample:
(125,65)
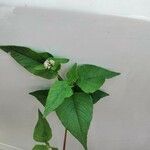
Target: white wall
(128,8)
(121,121)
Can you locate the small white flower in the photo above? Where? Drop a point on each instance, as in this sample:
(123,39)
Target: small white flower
(49,63)
(52,62)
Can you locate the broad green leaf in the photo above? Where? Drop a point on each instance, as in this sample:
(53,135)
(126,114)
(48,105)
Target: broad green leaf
(75,114)
(107,73)
(39,57)
(58,92)
(91,77)
(72,74)
(102,71)
(31,60)
(40,147)
(97,95)
(42,131)
(41,96)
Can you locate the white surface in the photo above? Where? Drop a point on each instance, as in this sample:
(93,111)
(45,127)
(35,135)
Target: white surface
(122,121)
(8,147)
(128,8)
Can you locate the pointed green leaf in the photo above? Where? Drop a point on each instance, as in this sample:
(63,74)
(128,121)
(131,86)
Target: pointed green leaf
(42,131)
(91,77)
(58,92)
(107,73)
(75,114)
(72,74)
(39,57)
(40,147)
(41,96)
(31,60)
(97,95)
(101,71)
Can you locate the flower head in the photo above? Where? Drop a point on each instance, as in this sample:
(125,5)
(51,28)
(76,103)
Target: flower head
(49,63)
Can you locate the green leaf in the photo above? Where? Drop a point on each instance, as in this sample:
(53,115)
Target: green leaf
(60,60)
(40,147)
(58,92)
(42,131)
(91,77)
(75,114)
(41,96)
(39,57)
(102,71)
(107,73)
(42,72)
(31,60)
(97,95)
(57,66)
(72,74)
(45,55)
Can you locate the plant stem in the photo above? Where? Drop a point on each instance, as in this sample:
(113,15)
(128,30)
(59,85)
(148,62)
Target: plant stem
(65,134)
(65,140)
(47,144)
(59,78)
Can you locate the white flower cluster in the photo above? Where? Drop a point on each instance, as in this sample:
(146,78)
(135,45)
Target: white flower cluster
(49,63)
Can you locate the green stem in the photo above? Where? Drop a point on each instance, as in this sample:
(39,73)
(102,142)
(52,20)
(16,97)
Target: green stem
(65,134)
(59,77)
(47,144)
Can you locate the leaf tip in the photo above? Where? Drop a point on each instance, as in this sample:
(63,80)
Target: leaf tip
(113,74)
(118,73)
(67,60)
(106,94)
(31,93)
(4,48)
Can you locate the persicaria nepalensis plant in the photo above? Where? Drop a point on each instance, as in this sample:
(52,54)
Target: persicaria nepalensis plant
(72,98)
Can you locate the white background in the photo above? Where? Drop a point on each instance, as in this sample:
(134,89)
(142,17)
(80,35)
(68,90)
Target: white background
(121,121)
(130,8)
